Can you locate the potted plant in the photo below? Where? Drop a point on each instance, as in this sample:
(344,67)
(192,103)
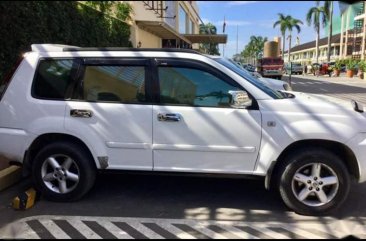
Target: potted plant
(337,67)
(350,65)
(361,69)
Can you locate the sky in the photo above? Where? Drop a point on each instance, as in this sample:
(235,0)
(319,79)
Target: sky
(256,18)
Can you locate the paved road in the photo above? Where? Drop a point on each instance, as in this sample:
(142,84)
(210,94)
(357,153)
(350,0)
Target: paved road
(147,206)
(342,88)
(154,206)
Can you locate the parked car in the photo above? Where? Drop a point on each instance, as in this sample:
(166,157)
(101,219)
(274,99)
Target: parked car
(249,67)
(68,112)
(273,83)
(296,68)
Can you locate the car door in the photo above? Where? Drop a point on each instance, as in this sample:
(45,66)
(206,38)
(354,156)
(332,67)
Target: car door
(194,127)
(112,106)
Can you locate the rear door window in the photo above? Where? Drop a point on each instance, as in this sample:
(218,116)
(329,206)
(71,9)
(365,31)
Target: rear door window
(54,79)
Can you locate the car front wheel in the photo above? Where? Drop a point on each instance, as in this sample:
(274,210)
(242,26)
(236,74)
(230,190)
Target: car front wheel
(63,172)
(313,181)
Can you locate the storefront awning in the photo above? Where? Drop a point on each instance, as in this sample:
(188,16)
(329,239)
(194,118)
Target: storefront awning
(207,38)
(161,29)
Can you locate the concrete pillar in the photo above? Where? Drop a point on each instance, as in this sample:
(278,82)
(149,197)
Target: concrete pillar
(346,42)
(342,35)
(363,33)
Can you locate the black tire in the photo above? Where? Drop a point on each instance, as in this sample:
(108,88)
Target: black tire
(83,162)
(300,158)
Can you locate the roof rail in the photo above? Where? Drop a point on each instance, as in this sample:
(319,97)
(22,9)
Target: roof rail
(69,48)
(50,47)
(73,49)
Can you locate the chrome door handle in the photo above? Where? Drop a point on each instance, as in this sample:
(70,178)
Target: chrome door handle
(81,113)
(172,117)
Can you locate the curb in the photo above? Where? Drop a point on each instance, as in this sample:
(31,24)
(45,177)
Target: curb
(10,176)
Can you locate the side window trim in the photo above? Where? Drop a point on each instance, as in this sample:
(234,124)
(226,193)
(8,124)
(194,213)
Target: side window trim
(144,62)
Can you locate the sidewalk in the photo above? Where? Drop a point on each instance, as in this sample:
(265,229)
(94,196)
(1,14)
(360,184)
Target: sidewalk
(3,163)
(9,174)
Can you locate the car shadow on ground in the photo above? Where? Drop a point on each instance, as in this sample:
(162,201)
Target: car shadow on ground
(175,196)
(183,197)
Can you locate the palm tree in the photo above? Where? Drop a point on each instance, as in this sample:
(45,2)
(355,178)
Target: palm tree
(283,22)
(209,48)
(314,14)
(258,45)
(208,28)
(287,23)
(254,48)
(293,23)
(328,7)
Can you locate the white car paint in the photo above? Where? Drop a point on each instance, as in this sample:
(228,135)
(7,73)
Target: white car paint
(209,140)
(202,141)
(275,83)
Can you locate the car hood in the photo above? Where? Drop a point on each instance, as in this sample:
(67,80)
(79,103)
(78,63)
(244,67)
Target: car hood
(324,101)
(273,83)
(321,107)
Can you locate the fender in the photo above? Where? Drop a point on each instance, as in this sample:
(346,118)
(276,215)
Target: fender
(292,127)
(55,125)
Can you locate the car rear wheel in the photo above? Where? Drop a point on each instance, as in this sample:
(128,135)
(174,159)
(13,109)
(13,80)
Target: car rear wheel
(313,181)
(63,172)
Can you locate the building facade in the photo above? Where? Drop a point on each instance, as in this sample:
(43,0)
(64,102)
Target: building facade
(305,53)
(348,39)
(168,24)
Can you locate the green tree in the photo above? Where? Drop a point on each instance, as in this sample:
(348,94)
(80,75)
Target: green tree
(122,10)
(283,22)
(209,48)
(328,7)
(254,49)
(258,45)
(287,23)
(60,22)
(316,16)
(293,23)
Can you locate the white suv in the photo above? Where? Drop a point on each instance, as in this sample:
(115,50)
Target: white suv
(68,112)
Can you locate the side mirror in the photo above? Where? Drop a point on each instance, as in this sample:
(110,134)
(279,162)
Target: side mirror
(239,99)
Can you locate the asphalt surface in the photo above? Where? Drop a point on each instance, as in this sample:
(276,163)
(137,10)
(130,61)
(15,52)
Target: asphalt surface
(341,87)
(138,206)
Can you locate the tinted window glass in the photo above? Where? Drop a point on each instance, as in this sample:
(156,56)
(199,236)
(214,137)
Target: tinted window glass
(247,76)
(114,83)
(185,86)
(53,79)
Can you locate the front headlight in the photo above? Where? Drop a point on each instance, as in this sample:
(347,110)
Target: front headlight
(287,87)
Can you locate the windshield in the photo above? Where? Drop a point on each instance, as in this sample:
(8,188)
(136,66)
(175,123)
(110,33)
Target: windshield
(247,76)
